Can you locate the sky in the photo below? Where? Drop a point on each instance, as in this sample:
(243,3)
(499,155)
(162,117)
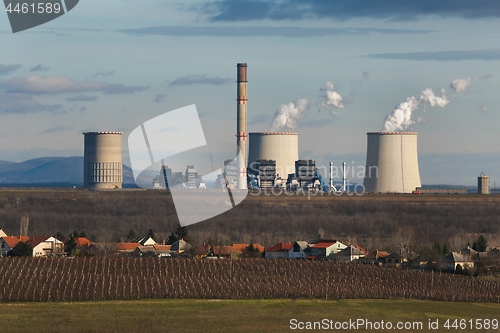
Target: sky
(330,70)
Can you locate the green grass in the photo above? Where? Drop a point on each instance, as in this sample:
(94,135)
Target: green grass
(225,316)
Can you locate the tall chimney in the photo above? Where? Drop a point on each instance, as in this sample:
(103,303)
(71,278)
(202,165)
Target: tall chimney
(241,126)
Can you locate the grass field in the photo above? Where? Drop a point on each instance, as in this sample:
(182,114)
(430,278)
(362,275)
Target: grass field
(230,316)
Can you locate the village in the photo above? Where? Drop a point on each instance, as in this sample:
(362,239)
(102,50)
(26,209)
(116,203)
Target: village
(476,260)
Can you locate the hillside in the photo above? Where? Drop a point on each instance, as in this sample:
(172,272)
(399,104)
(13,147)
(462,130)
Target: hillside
(49,170)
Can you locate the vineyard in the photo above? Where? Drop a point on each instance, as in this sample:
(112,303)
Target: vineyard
(80,279)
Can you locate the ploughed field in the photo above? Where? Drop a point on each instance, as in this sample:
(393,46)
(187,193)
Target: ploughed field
(117,278)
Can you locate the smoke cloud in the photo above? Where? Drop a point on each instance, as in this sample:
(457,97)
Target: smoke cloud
(460,85)
(287,114)
(331,98)
(400,118)
(428,96)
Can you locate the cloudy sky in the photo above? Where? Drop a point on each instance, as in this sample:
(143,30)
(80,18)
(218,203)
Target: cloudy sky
(331,70)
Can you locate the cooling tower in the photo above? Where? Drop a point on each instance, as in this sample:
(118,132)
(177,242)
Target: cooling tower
(102,160)
(483,184)
(391,163)
(282,147)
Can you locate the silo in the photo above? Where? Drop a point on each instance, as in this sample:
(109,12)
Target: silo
(102,160)
(282,147)
(483,184)
(391,162)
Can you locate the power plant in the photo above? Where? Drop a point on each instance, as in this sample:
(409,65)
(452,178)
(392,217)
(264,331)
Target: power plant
(391,162)
(272,160)
(102,160)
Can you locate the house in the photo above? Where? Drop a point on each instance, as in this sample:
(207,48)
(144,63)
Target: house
(278,251)
(125,248)
(349,254)
(374,257)
(144,241)
(82,243)
(326,248)
(241,248)
(392,260)
(180,246)
(101,249)
(203,250)
(152,251)
(299,250)
(423,261)
(2,233)
(470,252)
(7,243)
(456,261)
(45,246)
(224,250)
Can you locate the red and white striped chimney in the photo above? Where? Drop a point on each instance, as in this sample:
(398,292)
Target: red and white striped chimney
(241,125)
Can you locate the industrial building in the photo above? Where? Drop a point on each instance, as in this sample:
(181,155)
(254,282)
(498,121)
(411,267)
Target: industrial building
(305,173)
(483,184)
(191,177)
(391,163)
(264,172)
(102,160)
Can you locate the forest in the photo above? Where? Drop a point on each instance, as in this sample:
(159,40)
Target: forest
(373,221)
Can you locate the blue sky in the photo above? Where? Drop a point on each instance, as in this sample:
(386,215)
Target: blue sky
(113,65)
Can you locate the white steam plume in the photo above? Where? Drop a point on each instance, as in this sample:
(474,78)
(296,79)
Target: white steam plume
(460,85)
(287,114)
(400,117)
(428,96)
(331,98)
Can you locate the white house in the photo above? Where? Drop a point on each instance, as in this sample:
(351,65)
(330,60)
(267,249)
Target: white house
(326,248)
(455,259)
(44,246)
(350,253)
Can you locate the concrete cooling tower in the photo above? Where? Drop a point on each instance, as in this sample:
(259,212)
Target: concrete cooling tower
(391,162)
(102,160)
(282,147)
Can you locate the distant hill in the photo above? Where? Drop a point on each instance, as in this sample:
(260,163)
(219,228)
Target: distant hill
(49,170)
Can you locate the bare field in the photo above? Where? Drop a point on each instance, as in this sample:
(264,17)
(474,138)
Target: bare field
(231,315)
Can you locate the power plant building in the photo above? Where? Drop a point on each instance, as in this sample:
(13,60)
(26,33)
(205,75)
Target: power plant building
(391,163)
(265,171)
(483,184)
(102,160)
(282,147)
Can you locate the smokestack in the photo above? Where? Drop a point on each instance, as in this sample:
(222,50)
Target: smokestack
(241,125)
